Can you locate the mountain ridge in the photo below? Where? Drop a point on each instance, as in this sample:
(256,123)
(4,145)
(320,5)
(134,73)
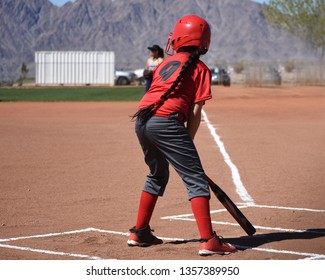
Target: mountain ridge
(239,30)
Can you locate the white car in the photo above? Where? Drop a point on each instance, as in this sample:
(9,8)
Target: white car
(139,76)
(123,78)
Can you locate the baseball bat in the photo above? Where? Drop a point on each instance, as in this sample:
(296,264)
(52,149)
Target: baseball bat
(231,207)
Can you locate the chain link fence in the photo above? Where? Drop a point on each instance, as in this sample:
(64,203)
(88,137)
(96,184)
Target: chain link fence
(275,74)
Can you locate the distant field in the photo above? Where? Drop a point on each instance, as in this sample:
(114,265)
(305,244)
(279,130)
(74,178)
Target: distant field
(72,94)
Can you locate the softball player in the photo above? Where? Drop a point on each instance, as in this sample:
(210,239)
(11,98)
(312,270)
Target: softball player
(181,84)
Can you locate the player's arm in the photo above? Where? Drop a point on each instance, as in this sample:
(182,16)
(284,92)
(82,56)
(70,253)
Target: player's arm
(194,119)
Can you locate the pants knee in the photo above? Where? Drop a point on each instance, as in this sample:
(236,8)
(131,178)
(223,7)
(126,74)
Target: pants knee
(156,185)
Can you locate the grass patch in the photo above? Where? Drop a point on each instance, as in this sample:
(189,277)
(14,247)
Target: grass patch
(72,94)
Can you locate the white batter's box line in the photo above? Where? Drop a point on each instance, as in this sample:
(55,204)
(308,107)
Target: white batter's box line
(308,255)
(240,188)
(58,253)
(73,232)
(186,217)
(83,256)
(257,227)
(303,254)
(267,250)
(191,215)
(49,252)
(245,205)
(315,258)
(287,208)
(45,235)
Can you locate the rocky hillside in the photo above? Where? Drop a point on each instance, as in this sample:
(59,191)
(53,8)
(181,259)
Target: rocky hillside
(127,27)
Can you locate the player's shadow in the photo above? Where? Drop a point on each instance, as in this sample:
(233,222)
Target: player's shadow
(248,242)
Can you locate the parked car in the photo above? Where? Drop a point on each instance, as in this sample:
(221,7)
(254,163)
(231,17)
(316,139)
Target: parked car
(262,75)
(124,77)
(139,77)
(220,77)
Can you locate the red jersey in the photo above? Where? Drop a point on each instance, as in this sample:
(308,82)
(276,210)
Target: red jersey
(194,87)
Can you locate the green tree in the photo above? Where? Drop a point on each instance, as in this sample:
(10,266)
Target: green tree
(303,18)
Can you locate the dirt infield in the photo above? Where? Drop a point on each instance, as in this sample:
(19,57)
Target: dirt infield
(71,176)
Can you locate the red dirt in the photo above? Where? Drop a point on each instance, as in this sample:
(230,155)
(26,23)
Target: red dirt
(71,166)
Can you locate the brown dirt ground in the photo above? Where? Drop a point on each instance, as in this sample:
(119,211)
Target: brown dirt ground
(69,166)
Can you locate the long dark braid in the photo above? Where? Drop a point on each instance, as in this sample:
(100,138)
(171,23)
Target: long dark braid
(144,114)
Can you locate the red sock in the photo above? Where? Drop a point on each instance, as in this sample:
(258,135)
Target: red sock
(201,211)
(147,205)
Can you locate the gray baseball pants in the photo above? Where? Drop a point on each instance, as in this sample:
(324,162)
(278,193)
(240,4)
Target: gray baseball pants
(166,141)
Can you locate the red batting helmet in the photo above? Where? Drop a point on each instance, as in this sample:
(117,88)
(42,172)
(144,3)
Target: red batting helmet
(190,30)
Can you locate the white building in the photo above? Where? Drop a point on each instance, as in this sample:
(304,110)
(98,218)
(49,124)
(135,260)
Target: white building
(74,68)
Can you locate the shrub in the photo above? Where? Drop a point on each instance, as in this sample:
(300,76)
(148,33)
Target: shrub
(290,66)
(239,67)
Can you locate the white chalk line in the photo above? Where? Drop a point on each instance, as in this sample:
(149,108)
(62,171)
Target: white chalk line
(83,256)
(287,208)
(189,215)
(244,205)
(45,235)
(315,258)
(240,188)
(185,217)
(48,252)
(308,255)
(257,227)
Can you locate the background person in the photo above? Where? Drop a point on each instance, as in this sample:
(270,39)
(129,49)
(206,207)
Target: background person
(156,57)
